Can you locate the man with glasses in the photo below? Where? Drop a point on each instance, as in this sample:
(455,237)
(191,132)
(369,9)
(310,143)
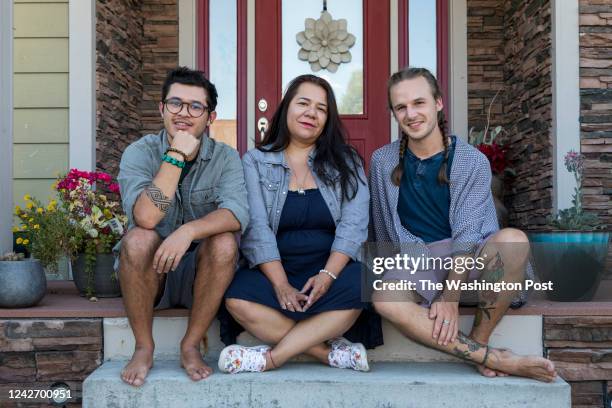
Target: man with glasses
(185,198)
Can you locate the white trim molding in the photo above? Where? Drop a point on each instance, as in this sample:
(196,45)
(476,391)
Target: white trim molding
(6,125)
(565,96)
(82,84)
(458,72)
(187,13)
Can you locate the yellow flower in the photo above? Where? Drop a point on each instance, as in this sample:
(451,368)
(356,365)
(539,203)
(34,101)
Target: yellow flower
(15,229)
(36,226)
(17,210)
(24,227)
(26,241)
(108,214)
(19,241)
(30,205)
(40,210)
(27,197)
(31,220)
(53,203)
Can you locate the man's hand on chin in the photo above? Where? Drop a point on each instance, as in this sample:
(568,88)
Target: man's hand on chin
(185,142)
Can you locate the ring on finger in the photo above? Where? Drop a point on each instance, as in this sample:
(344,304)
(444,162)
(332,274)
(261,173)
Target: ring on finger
(445,322)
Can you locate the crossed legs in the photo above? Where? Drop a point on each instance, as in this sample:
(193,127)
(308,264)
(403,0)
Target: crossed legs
(507,251)
(141,285)
(291,338)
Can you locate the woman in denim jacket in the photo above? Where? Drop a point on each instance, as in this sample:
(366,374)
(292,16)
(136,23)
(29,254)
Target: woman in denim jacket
(308,202)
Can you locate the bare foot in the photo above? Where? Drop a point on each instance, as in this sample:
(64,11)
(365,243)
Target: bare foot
(191,361)
(487,372)
(135,372)
(538,368)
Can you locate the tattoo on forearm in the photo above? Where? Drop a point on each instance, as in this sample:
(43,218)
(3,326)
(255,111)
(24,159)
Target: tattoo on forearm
(158,198)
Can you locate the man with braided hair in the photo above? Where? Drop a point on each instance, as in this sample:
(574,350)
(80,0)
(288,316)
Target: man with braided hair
(431,196)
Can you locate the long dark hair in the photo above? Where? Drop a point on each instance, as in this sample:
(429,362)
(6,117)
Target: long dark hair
(332,149)
(411,73)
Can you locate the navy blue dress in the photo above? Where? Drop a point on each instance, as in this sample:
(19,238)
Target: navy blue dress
(305,236)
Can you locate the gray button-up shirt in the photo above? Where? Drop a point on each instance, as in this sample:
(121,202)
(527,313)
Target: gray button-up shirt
(215,181)
(267,179)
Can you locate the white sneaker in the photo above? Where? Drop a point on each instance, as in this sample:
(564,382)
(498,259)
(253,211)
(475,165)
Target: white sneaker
(345,354)
(236,359)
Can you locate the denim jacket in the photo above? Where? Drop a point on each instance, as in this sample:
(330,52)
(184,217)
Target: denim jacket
(215,181)
(267,178)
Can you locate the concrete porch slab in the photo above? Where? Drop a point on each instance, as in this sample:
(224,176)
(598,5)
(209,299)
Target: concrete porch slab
(415,385)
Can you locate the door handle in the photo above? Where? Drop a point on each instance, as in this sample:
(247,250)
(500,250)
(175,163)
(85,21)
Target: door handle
(262,126)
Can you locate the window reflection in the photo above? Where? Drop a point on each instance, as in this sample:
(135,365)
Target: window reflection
(422,38)
(223,68)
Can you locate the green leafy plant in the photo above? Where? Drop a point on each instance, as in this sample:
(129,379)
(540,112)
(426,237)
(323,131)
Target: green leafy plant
(46,231)
(574,218)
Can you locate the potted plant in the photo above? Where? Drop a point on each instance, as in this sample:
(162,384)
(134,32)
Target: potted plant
(46,233)
(572,253)
(87,198)
(485,141)
(22,281)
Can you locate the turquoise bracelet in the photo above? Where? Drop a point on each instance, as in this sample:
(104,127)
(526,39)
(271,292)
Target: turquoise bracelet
(173,161)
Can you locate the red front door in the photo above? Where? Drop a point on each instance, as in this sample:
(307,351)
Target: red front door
(359,84)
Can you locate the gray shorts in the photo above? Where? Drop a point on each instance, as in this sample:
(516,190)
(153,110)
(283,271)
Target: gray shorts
(178,286)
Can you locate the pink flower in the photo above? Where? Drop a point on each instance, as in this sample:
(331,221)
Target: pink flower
(114,188)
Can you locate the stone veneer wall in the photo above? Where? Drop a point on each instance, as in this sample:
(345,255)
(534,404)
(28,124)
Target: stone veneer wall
(485,40)
(509,49)
(581,348)
(137,43)
(36,353)
(528,110)
(596,107)
(159,55)
(118,79)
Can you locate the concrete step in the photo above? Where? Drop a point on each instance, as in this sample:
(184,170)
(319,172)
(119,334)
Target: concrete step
(412,385)
(520,333)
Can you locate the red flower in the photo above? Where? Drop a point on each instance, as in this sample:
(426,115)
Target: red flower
(496,155)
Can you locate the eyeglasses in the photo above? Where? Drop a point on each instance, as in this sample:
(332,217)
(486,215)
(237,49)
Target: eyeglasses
(175,105)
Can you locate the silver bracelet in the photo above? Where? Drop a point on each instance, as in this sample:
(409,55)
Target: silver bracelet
(331,275)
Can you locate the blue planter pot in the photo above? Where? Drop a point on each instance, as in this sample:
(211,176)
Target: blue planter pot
(573,260)
(22,283)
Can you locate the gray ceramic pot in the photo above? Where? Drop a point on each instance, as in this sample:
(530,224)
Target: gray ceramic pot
(22,283)
(104,282)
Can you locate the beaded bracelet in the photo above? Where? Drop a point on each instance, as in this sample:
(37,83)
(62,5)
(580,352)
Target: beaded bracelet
(172,149)
(328,273)
(173,161)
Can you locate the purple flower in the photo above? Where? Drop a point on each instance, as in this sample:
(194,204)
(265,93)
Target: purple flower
(574,162)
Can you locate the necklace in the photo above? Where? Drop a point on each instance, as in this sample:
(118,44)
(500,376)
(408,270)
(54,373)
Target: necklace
(300,186)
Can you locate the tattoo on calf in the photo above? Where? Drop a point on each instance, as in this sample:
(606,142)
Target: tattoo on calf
(488,299)
(472,347)
(158,198)
(495,269)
